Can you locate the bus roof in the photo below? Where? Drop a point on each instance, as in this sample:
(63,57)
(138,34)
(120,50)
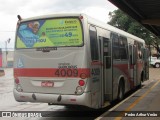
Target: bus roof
(53,15)
(113,29)
(90,20)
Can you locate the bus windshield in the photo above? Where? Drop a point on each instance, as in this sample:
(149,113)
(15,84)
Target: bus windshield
(58,32)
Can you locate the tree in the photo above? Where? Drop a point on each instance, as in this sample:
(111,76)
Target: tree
(122,21)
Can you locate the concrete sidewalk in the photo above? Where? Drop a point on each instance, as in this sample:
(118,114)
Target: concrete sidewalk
(144,102)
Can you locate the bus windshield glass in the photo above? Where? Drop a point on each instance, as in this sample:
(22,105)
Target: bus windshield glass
(59,32)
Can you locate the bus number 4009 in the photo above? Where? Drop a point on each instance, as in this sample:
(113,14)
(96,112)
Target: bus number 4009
(66,73)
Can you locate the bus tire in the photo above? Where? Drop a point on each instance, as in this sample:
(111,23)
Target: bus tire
(120,91)
(141,80)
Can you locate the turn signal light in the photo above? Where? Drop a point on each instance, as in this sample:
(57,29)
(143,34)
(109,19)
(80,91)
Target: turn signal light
(17,81)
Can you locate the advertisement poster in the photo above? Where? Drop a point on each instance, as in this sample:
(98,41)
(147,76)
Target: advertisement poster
(50,33)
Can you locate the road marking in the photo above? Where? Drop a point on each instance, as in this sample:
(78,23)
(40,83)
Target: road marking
(104,114)
(130,107)
(136,102)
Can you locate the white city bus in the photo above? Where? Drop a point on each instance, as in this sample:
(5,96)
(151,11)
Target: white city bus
(72,59)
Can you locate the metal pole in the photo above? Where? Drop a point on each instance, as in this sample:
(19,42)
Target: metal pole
(6,52)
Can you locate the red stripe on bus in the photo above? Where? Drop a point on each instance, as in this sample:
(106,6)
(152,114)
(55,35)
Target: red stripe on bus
(139,65)
(131,66)
(51,72)
(96,63)
(124,69)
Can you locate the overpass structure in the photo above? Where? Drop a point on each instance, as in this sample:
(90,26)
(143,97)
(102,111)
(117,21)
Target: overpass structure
(146,12)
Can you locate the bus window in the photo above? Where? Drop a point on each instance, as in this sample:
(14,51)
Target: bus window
(116,54)
(107,46)
(130,55)
(140,49)
(93,43)
(107,52)
(123,48)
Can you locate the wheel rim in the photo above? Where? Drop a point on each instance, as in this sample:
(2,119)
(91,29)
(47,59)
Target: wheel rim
(120,93)
(157,65)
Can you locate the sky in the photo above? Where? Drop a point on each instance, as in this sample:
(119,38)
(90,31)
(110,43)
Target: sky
(9,9)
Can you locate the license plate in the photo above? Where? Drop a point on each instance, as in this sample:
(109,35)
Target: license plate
(47,84)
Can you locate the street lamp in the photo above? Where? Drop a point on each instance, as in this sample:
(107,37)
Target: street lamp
(7,41)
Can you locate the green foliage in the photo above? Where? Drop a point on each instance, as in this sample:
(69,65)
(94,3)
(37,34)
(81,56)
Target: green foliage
(122,21)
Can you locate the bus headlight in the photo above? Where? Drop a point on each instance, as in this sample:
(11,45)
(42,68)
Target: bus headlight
(79,90)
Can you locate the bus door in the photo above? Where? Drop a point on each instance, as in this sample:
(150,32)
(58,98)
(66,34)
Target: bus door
(131,66)
(105,52)
(134,64)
